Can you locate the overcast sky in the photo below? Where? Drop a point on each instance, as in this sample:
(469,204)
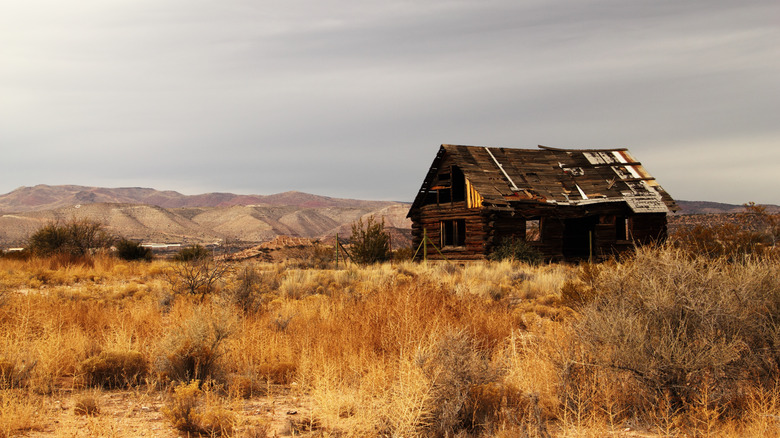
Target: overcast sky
(353,98)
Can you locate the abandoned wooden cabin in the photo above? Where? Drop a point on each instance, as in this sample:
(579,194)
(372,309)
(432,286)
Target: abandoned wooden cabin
(569,204)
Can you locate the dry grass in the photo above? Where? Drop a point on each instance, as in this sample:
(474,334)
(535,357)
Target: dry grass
(482,349)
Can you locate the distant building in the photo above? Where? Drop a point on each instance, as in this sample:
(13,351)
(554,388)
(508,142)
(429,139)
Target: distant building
(569,204)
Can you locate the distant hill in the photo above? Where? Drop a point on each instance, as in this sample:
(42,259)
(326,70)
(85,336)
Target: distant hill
(706,207)
(45,197)
(149,215)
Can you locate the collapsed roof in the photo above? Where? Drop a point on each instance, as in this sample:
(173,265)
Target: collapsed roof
(506,178)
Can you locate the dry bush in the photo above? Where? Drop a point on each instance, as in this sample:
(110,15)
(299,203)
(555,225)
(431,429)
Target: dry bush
(192,409)
(194,345)
(114,369)
(251,288)
(316,256)
(87,404)
(512,248)
(673,328)
(464,387)
(19,411)
(754,232)
(280,373)
(197,276)
(14,374)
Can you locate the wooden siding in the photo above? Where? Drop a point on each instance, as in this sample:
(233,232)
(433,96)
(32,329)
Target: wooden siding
(430,218)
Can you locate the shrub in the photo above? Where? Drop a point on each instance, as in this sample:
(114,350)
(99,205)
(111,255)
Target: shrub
(754,231)
(20,412)
(192,253)
(403,254)
(281,373)
(723,240)
(87,404)
(76,238)
(370,241)
(515,249)
(318,256)
(13,375)
(187,412)
(130,250)
(197,273)
(461,380)
(250,288)
(114,369)
(192,349)
(181,407)
(673,326)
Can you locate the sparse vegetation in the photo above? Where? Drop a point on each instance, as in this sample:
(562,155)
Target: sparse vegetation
(664,343)
(754,232)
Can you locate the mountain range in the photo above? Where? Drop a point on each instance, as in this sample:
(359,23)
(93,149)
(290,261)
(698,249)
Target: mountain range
(155,216)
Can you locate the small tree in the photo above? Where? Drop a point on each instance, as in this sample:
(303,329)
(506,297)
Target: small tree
(131,250)
(191,253)
(370,241)
(197,271)
(76,237)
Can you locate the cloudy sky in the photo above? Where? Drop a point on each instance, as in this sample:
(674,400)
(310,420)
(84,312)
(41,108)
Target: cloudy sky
(351,98)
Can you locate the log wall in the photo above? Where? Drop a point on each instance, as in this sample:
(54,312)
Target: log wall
(485,229)
(430,217)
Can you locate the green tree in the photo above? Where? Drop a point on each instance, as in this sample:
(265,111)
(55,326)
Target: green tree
(76,237)
(131,250)
(370,241)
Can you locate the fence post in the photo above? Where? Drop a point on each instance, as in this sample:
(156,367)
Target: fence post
(337,250)
(425,244)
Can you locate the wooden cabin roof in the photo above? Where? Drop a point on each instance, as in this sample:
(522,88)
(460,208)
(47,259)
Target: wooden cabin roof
(508,178)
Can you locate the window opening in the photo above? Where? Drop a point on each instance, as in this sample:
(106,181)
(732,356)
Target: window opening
(533,230)
(621,228)
(458,185)
(453,233)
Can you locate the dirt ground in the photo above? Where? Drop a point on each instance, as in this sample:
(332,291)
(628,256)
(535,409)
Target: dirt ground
(135,413)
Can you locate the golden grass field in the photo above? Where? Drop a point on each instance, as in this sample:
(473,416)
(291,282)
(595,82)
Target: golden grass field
(104,347)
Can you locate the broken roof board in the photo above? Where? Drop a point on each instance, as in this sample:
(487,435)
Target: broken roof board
(551,175)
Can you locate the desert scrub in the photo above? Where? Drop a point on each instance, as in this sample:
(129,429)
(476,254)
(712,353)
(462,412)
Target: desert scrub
(194,344)
(114,369)
(87,403)
(673,327)
(464,386)
(191,409)
(19,411)
(251,288)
